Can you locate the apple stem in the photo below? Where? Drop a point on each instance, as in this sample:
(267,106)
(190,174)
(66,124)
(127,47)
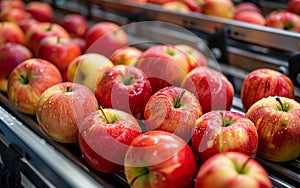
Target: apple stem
(58,39)
(279,101)
(104,115)
(49,27)
(245,164)
(177,102)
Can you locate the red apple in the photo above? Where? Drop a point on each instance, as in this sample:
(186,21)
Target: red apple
(232,169)
(43,29)
(195,56)
(87,69)
(9,60)
(293,6)
(220,131)
(75,24)
(80,42)
(219,8)
(14,15)
(164,65)
(250,17)
(125,88)
(62,108)
(283,20)
(160,2)
(11,32)
(59,51)
(105,38)
(27,24)
(174,110)
(177,6)
(277,120)
(28,81)
(12,4)
(105,136)
(213,90)
(159,159)
(41,11)
(265,82)
(247,6)
(126,56)
(194,5)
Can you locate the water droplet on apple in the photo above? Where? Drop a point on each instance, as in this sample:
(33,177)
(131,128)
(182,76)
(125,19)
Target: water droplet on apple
(163,178)
(155,152)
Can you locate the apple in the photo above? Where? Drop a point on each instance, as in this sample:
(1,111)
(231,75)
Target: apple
(125,88)
(87,69)
(14,15)
(283,20)
(213,90)
(247,6)
(104,137)
(28,81)
(80,42)
(196,57)
(59,51)
(62,108)
(222,130)
(177,6)
(194,5)
(105,38)
(12,4)
(9,60)
(43,29)
(265,82)
(250,17)
(126,56)
(75,24)
(41,11)
(219,8)
(160,2)
(27,24)
(277,120)
(232,169)
(174,110)
(11,32)
(164,65)
(159,159)
(293,6)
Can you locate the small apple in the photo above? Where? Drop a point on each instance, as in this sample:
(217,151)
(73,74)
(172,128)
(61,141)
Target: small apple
(164,65)
(213,90)
(277,120)
(177,6)
(284,20)
(62,108)
(43,29)
(59,51)
(265,82)
(219,8)
(126,56)
(41,11)
(87,69)
(9,60)
(159,159)
(174,110)
(105,38)
(104,137)
(250,17)
(13,15)
(196,57)
(28,81)
(75,24)
(232,169)
(293,6)
(220,131)
(11,32)
(125,88)
(247,6)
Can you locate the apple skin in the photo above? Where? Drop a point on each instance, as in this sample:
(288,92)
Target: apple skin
(195,56)
(162,112)
(159,159)
(250,17)
(59,51)
(41,11)
(293,6)
(220,131)
(160,2)
(247,6)
(107,34)
(12,4)
(278,127)
(14,15)
(75,24)
(226,170)
(87,69)
(284,20)
(11,32)
(213,90)
(164,65)
(37,33)
(125,88)
(62,108)
(194,5)
(28,81)
(265,82)
(80,42)
(103,145)
(177,6)
(9,60)
(219,8)
(126,56)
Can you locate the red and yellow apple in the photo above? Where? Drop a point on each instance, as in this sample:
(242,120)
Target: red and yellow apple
(75,24)
(196,57)
(11,32)
(126,56)
(249,16)
(219,8)
(284,20)
(41,11)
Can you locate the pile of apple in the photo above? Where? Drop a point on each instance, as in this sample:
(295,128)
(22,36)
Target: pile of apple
(286,19)
(160,116)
